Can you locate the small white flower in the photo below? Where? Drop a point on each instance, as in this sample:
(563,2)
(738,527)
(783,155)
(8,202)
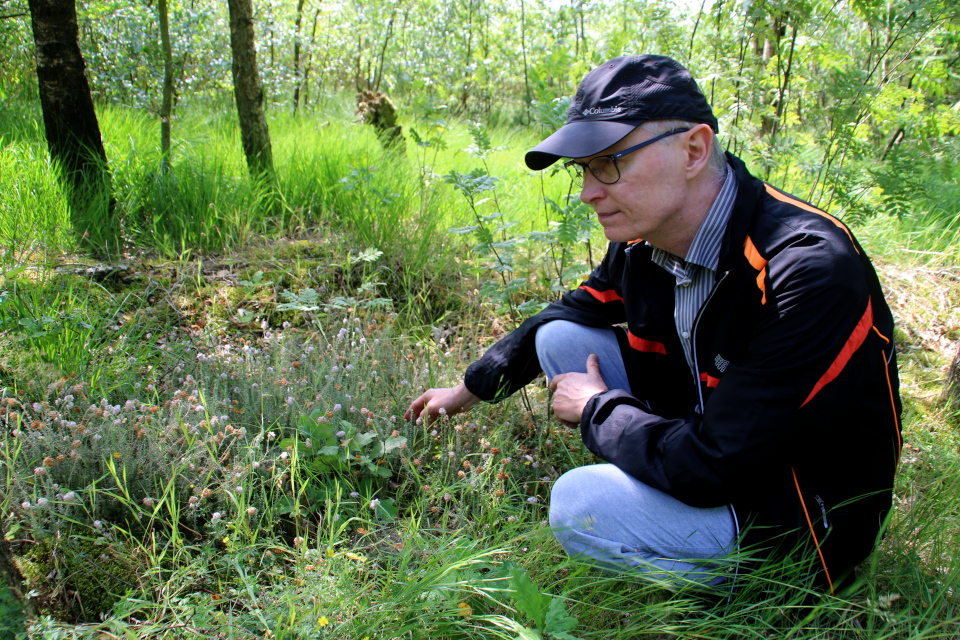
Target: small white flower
(148,502)
(284,455)
(98,525)
(309,443)
(25,504)
(290,400)
(354,494)
(443,411)
(271,435)
(69,496)
(217,515)
(251,511)
(256,464)
(239,490)
(374,504)
(337,407)
(341,434)
(533,499)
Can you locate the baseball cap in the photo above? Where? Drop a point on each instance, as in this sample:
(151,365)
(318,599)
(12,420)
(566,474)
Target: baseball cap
(618,96)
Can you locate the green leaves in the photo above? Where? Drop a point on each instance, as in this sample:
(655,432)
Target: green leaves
(547,613)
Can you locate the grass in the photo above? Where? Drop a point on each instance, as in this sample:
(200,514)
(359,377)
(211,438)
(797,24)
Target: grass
(205,439)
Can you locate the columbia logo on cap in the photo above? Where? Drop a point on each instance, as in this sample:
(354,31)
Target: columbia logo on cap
(598,111)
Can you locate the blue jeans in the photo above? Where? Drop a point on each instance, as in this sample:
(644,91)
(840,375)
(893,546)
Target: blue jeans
(609,517)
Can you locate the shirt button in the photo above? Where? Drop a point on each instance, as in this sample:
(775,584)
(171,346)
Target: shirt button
(685,335)
(685,283)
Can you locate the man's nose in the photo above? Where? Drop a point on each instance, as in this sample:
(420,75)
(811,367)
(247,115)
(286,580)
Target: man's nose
(592,190)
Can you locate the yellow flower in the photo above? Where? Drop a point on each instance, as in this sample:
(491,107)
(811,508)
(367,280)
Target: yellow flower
(116,454)
(465,609)
(322,622)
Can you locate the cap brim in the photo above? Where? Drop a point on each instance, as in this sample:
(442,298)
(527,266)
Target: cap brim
(578,140)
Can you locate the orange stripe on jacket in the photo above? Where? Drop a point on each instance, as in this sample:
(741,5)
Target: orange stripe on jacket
(783,197)
(853,343)
(759,263)
(649,346)
(812,532)
(710,380)
(602,296)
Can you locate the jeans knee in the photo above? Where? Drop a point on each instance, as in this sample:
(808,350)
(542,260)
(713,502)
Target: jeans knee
(552,335)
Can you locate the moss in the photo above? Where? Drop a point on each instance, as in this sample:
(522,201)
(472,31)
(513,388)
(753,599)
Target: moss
(99,573)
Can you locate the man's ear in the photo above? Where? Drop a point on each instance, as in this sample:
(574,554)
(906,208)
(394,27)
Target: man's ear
(699,142)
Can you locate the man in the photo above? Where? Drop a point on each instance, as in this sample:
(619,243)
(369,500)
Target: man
(751,399)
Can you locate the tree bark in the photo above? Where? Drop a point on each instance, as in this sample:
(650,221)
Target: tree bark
(248,91)
(70,122)
(296,57)
(166,107)
(950,395)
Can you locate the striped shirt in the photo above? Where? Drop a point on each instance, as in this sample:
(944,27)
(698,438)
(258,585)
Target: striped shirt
(697,274)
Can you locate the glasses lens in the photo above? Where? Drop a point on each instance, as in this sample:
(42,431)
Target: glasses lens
(576,172)
(604,168)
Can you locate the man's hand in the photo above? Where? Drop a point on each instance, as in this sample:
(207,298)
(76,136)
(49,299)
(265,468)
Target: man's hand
(450,400)
(571,391)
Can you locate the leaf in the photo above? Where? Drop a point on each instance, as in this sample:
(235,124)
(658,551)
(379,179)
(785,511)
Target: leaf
(558,621)
(528,598)
(525,633)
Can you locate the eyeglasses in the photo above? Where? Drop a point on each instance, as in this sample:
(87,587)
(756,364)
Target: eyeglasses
(605,168)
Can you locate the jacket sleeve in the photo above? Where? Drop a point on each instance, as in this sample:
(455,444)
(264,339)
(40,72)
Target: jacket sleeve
(512,362)
(803,359)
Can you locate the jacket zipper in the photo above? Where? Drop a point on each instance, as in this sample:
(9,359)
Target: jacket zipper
(823,510)
(693,341)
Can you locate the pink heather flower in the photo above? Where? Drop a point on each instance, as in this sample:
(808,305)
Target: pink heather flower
(533,499)
(39,471)
(341,434)
(374,504)
(216,516)
(69,496)
(25,504)
(251,511)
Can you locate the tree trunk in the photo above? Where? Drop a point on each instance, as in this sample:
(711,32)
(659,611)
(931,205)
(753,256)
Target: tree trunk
(254,134)
(296,57)
(166,108)
(950,395)
(70,123)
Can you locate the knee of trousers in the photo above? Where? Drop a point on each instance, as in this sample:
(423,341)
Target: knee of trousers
(566,515)
(553,337)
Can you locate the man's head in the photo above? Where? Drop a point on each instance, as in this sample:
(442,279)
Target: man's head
(643,137)
(618,96)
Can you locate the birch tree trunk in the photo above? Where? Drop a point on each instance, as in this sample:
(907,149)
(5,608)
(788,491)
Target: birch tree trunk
(248,91)
(166,107)
(70,123)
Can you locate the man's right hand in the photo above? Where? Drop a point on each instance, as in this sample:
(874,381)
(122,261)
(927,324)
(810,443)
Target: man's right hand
(452,400)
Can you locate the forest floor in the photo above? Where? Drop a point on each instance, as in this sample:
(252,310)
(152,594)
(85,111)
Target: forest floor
(228,458)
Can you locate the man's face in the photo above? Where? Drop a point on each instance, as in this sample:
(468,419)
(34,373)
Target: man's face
(648,200)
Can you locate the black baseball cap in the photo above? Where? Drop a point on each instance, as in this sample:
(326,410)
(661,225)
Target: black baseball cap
(618,96)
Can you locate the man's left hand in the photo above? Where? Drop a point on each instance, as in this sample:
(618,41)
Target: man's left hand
(571,391)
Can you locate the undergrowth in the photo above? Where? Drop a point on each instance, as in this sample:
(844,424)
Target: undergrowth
(204,437)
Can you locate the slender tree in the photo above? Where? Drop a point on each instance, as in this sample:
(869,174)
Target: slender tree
(296,56)
(166,107)
(70,122)
(248,91)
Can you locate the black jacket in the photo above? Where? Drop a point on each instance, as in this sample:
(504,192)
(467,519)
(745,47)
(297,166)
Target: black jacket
(794,419)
